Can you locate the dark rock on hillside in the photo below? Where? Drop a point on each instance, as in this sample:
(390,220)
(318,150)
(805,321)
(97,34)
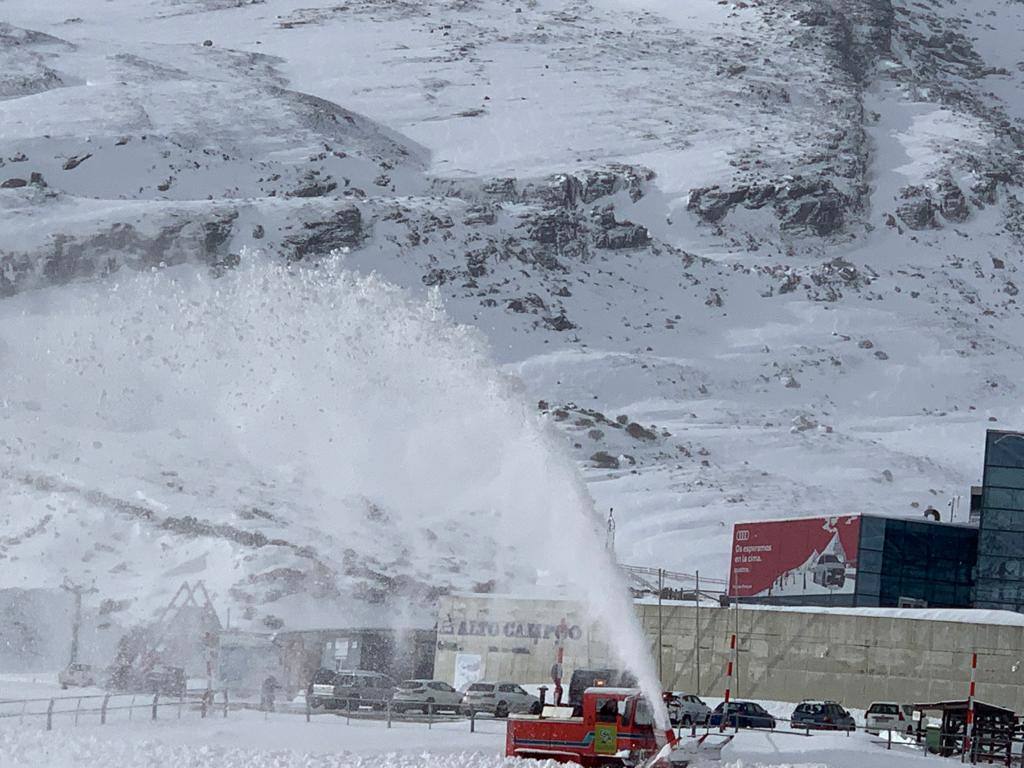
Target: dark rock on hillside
(952,203)
(567,190)
(812,204)
(604,460)
(181,238)
(712,203)
(218,232)
(615,234)
(557,227)
(639,432)
(73,162)
(314,188)
(918,209)
(318,238)
(823,216)
(559,323)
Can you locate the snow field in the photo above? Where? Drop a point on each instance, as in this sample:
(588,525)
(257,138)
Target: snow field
(286,741)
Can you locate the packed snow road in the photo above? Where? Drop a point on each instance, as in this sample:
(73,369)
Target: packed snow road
(248,740)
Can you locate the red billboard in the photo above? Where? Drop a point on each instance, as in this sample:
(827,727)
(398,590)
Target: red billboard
(806,556)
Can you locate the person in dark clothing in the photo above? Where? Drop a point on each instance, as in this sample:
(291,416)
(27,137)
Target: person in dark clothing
(267,691)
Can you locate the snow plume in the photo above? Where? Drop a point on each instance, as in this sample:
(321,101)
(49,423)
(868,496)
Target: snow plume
(340,396)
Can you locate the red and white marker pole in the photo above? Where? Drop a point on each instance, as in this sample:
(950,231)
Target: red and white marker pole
(969,723)
(728,682)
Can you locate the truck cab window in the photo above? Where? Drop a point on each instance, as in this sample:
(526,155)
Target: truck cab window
(607,710)
(643,714)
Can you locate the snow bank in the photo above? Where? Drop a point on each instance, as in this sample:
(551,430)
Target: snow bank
(288,742)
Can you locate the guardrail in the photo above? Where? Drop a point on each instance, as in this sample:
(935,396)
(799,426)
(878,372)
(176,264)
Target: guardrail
(389,712)
(99,707)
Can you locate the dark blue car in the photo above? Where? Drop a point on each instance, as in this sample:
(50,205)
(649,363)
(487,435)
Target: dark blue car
(742,714)
(822,716)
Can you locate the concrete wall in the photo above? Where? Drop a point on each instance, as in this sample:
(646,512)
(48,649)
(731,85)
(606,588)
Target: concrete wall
(784,655)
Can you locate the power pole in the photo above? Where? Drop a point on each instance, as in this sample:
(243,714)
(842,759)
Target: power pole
(661,624)
(698,634)
(76,622)
(736,653)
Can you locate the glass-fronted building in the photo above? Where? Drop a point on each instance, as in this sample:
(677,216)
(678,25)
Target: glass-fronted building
(855,560)
(873,560)
(915,562)
(1001,536)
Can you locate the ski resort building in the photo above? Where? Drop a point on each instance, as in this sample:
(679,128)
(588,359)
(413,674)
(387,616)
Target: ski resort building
(1001,535)
(881,561)
(854,560)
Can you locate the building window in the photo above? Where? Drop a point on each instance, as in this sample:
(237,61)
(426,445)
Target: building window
(1005,449)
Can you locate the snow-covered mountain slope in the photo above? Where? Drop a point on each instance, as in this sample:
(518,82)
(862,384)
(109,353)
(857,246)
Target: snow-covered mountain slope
(754,259)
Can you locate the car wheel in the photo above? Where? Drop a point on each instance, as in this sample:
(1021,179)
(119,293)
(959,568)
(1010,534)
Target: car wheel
(501,710)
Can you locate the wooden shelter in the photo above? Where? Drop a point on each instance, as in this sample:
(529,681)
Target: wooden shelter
(992,736)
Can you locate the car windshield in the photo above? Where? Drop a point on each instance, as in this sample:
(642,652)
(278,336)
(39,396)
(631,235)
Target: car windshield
(483,687)
(883,709)
(409,685)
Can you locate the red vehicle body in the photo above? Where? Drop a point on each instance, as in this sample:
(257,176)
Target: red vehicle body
(613,720)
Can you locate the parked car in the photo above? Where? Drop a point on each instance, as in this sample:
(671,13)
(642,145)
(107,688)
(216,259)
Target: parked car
(356,688)
(77,675)
(686,709)
(890,716)
(829,572)
(742,714)
(320,691)
(499,699)
(168,681)
(426,696)
(822,716)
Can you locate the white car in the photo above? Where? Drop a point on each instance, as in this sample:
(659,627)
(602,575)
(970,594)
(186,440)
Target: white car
(426,696)
(499,699)
(884,716)
(320,691)
(77,675)
(685,709)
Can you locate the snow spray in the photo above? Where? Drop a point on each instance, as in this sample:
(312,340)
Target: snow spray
(339,397)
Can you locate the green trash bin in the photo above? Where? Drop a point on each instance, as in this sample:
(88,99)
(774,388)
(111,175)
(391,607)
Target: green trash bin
(932,737)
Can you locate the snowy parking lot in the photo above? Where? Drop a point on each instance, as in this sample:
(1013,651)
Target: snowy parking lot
(255,740)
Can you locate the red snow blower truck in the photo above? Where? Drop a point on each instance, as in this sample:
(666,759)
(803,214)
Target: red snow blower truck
(611,727)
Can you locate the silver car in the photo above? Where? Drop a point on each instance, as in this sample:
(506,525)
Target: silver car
(76,674)
(499,699)
(426,696)
(685,709)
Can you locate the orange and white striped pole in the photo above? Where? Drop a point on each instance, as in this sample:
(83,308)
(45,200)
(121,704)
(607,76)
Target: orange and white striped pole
(728,682)
(969,723)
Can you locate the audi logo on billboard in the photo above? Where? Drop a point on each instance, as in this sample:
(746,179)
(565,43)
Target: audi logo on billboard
(742,535)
